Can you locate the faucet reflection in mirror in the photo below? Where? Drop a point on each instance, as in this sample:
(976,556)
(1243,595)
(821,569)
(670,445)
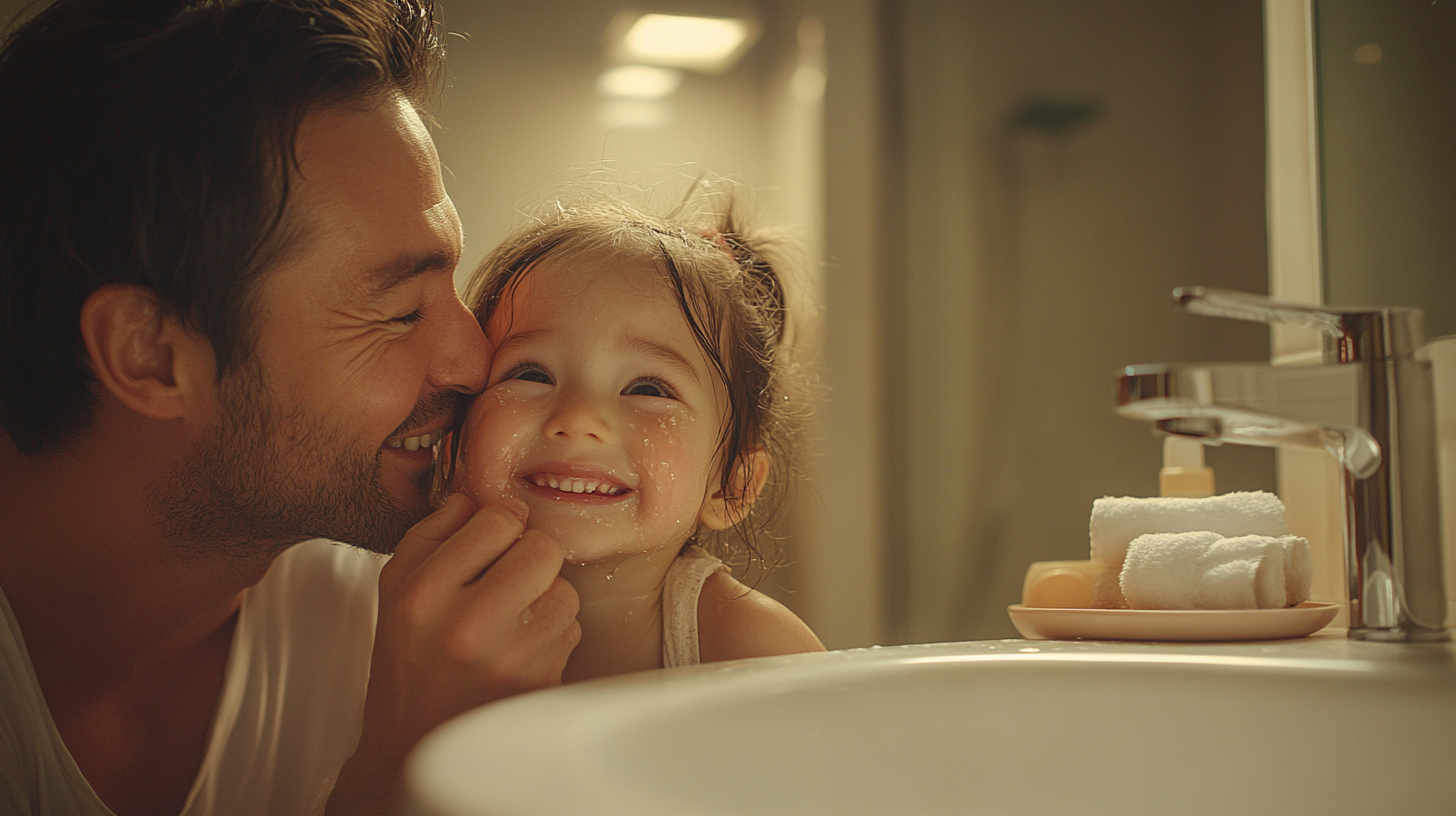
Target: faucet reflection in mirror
(1370,405)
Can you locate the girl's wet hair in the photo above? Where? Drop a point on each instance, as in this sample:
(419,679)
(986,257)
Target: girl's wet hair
(728,286)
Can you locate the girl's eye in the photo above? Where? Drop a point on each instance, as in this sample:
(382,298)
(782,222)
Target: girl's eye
(530,372)
(649,387)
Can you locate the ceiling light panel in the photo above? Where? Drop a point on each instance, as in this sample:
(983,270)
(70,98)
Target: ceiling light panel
(710,44)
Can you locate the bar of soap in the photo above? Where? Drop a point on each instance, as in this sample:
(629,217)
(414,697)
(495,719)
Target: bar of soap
(1060,584)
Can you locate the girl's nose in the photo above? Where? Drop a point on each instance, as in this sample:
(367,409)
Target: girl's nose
(579,416)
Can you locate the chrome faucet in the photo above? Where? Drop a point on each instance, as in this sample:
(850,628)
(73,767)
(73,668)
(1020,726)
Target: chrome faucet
(1371,405)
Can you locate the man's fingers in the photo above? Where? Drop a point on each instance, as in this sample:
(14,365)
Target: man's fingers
(519,613)
(522,574)
(556,607)
(464,556)
(543,637)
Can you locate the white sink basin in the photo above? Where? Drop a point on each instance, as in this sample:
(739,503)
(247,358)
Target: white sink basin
(1320,726)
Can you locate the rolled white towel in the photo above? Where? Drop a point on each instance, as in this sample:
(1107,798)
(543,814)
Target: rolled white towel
(1162,569)
(1117,520)
(1298,573)
(1202,570)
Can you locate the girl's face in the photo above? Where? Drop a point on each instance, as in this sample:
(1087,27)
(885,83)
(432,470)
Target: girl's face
(600,411)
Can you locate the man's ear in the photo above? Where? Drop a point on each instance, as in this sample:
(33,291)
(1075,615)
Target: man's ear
(142,355)
(721,512)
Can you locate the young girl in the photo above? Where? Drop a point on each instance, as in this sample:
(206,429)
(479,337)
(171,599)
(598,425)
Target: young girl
(636,403)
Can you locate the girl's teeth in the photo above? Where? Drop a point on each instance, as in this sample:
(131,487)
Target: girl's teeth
(569,485)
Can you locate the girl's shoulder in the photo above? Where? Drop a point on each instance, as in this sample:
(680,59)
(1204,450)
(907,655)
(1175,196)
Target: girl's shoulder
(736,621)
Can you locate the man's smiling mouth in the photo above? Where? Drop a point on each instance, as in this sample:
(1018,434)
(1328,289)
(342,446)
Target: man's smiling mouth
(570,484)
(414,443)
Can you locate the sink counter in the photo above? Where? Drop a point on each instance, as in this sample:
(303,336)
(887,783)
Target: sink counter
(1320,725)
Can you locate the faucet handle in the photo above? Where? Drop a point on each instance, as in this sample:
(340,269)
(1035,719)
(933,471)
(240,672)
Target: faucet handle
(1352,334)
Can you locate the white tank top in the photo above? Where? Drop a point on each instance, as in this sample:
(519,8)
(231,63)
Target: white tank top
(680,605)
(288,716)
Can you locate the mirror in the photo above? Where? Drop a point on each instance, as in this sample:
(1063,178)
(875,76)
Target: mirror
(1386,86)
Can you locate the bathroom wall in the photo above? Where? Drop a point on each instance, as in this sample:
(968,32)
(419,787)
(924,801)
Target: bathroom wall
(522,115)
(1063,166)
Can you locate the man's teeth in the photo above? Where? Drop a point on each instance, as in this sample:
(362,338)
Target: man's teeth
(414,443)
(566,484)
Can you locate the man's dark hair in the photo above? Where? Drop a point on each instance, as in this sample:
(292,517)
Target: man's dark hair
(151,142)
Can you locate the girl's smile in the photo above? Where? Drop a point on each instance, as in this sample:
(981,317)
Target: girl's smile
(564,481)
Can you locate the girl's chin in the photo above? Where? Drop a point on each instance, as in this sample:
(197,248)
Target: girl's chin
(601,536)
(595,558)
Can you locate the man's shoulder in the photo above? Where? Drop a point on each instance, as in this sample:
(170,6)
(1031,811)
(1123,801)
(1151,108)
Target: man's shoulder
(317,585)
(322,565)
(296,678)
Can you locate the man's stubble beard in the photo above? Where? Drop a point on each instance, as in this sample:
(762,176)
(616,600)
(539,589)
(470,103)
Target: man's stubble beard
(263,481)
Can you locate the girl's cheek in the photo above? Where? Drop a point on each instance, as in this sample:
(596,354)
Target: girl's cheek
(480,475)
(672,453)
(493,440)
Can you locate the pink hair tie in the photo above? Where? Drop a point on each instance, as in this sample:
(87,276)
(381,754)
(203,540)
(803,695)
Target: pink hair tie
(719,240)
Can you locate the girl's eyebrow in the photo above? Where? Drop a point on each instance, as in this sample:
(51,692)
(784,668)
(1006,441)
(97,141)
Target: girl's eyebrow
(515,340)
(667,354)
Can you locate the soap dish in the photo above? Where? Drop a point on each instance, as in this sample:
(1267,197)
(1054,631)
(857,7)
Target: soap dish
(1040,623)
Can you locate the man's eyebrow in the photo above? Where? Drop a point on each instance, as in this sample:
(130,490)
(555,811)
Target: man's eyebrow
(666,354)
(385,277)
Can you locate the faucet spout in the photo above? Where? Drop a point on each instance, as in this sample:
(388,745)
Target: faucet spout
(1310,407)
(1370,405)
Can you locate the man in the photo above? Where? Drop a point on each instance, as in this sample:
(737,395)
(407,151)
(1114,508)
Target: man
(229,326)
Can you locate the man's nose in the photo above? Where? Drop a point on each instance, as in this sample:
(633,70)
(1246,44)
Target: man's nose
(462,361)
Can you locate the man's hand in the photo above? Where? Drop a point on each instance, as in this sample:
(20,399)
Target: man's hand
(472,609)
